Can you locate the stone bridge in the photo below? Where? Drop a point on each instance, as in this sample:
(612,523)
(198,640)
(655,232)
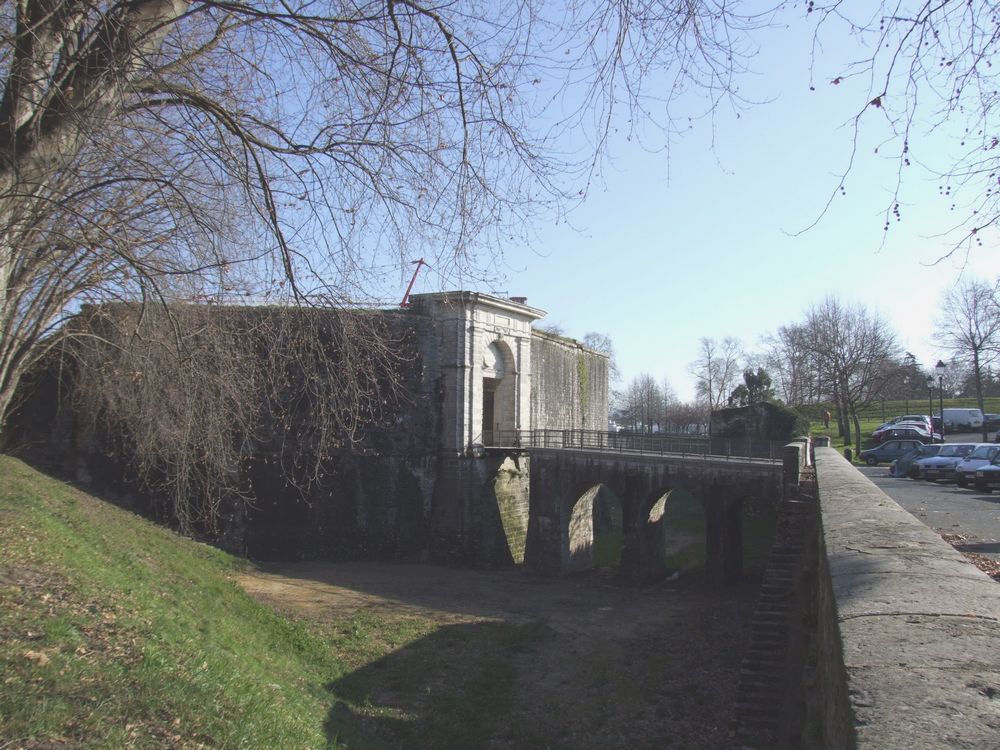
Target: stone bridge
(564,490)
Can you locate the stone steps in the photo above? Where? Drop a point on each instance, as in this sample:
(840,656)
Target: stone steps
(763,677)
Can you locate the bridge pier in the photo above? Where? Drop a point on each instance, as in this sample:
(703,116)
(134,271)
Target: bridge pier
(643,557)
(723,534)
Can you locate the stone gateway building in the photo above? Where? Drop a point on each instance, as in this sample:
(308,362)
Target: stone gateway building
(449,484)
(499,376)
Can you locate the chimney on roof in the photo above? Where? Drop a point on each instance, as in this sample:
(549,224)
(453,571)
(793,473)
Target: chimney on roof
(519,300)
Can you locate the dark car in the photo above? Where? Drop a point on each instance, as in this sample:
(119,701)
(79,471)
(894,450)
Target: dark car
(991,421)
(905,465)
(983,455)
(908,433)
(987,477)
(884,432)
(888,451)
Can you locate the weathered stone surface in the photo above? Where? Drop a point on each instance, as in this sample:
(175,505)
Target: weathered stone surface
(569,388)
(909,631)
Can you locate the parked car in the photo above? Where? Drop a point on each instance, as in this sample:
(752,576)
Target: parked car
(883,434)
(908,433)
(983,455)
(942,466)
(957,420)
(922,427)
(991,422)
(904,465)
(889,450)
(907,420)
(987,477)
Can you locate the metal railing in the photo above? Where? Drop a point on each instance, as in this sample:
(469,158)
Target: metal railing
(643,444)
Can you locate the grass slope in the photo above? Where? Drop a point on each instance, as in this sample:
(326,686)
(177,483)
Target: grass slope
(115,632)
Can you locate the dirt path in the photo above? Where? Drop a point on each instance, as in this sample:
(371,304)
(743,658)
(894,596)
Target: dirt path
(652,666)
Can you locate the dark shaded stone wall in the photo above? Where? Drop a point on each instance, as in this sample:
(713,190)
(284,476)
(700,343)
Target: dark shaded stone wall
(395,495)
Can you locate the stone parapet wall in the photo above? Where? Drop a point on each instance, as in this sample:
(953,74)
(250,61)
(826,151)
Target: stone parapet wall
(908,630)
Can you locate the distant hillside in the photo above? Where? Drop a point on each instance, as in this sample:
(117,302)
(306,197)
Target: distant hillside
(117,633)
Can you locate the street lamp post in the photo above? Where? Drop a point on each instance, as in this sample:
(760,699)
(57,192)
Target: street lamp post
(940,371)
(930,402)
(906,389)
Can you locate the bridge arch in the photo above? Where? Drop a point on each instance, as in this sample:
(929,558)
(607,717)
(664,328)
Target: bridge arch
(698,502)
(675,531)
(594,530)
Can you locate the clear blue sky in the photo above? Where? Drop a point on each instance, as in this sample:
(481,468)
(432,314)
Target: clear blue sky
(704,243)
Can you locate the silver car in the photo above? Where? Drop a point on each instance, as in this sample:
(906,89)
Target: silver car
(942,466)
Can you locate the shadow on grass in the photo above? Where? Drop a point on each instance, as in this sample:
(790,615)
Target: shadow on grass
(454,688)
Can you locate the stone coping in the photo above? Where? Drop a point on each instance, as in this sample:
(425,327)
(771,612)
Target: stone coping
(916,625)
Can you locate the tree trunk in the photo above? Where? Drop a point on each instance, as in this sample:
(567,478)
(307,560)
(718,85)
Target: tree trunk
(978,374)
(844,417)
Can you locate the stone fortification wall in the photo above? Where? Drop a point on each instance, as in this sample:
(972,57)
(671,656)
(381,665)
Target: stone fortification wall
(417,483)
(569,386)
(403,492)
(907,628)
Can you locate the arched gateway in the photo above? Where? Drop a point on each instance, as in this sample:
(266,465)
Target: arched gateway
(485,361)
(500,381)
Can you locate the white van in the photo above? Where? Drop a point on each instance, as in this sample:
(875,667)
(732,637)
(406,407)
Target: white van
(963,419)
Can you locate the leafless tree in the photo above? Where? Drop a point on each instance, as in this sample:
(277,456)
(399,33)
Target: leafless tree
(969,328)
(668,403)
(643,403)
(924,69)
(788,356)
(601,342)
(297,153)
(189,397)
(854,348)
(716,371)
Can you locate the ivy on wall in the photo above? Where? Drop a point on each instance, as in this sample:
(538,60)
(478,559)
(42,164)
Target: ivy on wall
(583,384)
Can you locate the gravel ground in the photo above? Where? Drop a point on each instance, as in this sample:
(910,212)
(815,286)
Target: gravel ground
(631,667)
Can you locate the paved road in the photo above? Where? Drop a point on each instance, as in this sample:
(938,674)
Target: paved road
(973,515)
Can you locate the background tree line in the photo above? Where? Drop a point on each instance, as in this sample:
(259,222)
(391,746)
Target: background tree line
(299,153)
(838,356)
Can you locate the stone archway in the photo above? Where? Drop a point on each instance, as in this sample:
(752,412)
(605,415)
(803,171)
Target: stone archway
(499,406)
(594,533)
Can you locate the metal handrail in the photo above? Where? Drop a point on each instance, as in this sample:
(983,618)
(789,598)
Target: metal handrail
(642,444)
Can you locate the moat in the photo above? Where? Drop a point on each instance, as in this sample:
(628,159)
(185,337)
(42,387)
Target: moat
(604,665)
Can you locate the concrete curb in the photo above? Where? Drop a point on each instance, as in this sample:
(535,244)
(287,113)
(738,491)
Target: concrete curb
(908,629)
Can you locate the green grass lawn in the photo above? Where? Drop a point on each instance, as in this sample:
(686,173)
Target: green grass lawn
(115,632)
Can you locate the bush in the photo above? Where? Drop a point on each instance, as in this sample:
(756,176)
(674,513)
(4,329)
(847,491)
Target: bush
(765,420)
